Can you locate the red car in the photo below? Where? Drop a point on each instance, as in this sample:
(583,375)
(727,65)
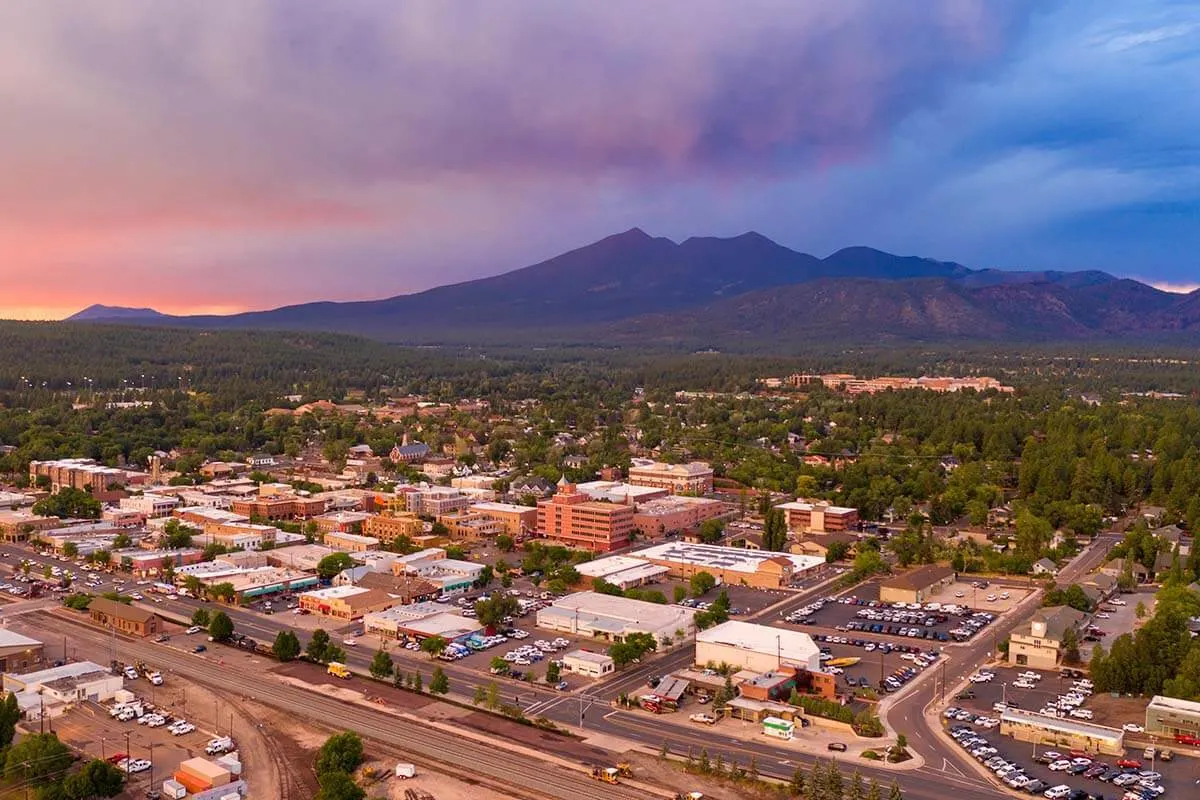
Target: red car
(1130,762)
(115,757)
(1080,754)
(1187,738)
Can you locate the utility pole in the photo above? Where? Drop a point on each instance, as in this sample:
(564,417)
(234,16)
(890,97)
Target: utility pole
(152,765)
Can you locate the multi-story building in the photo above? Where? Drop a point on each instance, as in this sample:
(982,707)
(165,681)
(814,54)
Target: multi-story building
(437,501)
(818,517)
(673,514)
(84,474)
(517,521)
(471,527)
(571,518)
(341,522)
(386,527)
(451,575)
(695,478)
(1038,643)
(279,507)
(238,535)
(150,506)
(350,542)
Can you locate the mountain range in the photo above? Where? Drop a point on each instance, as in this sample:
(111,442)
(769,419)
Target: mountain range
(633,287)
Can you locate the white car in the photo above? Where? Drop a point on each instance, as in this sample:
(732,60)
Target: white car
(1116,601)
(137,765)
(1030,675)
(1132,727)
(1062,765)
(1057,792)
(1081,713)
(350,642)
(194,629)
(181,728)
(1023,684)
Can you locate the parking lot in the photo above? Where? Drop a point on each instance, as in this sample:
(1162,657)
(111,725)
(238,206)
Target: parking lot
(1116,618)
(926,625)
(1086,777)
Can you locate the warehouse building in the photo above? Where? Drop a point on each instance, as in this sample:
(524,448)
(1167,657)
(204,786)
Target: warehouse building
(622,571)
(758,648)
(761,569)
(346,602)
(420,621)
(19,653)
(916,586)
(1172,716)
(52,691)
(612,618)
(1026,726)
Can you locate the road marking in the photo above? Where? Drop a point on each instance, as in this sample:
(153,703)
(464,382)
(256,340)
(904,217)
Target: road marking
(947,766)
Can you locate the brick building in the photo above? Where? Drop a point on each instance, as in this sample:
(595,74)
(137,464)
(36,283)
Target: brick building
(694,478)
(124,618)
(572,519)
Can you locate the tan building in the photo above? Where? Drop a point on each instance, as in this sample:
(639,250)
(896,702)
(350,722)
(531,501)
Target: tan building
(1038,643)
(18,526)
(733,565)
(470,527)
(124,618)
(818,517)
(243,535)
(518,521)
(1065,734)
(406,588)
(279,507)
(695,478)
(346,602)
(351,542)
(20,653)
(818,545)
(917,585)
(387,527)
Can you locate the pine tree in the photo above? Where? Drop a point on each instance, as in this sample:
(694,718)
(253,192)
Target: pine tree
(705,764)
(895,793)
(873,792)
(796,784)
(752,770)
(719,767)
(857,790)
(834,785)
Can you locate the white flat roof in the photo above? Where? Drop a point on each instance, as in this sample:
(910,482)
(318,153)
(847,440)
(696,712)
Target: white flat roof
(507,508)
(448,624)
(589,656)
(10,639)
(54,673)
(615,490)
(1016,715)
(801,506)
(336,592)
(1174,704)
(608,565)
(794,646)
(622,609)
(734,559)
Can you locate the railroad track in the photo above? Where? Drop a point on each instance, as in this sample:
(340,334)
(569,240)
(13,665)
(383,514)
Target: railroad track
(496,767)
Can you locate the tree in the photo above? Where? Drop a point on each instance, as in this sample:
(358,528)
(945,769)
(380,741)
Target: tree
(894,793)
(122,541)
(505,543)
(837,551)
(332,564)
(193,585)
(701,583)
(223,591)
(1070,646)
(491,612)
(335,653)
(176,535)
(342,752)
(775,531)
(1140,610)
(337,785)
(434,646)
(317,646)
(552,673)
(479,697)
(857,790)
(37,759)
(220,627)
(680,594)
(439,683)
(97,778)
(10,715)
(71,550)
(286,646)
(201,617)
(68,503)
(711,531)
(486,576)
(873,792)
(381,665)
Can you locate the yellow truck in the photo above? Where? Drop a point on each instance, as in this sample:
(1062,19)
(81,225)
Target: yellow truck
(338,670)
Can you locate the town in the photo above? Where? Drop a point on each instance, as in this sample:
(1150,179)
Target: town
(659,606)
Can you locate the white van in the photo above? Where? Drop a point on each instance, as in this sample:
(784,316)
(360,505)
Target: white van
(219,745)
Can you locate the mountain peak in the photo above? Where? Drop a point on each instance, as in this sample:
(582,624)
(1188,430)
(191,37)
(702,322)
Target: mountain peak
(98,311)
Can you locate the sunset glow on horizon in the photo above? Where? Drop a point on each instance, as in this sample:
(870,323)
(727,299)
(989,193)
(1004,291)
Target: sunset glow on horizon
(240,155)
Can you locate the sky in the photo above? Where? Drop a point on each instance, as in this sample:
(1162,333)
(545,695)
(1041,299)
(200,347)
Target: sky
(211,156)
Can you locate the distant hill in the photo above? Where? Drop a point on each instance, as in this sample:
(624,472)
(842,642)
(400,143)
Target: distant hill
(636,287)
(112,313)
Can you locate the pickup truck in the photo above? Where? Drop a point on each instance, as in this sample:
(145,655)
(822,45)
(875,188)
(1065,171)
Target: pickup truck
(707,719)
